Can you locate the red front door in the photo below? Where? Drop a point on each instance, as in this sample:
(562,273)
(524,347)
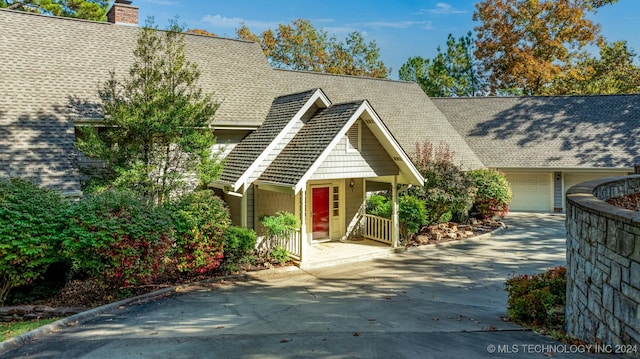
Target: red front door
(320,214)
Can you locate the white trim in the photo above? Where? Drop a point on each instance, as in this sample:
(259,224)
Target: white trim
(318,95)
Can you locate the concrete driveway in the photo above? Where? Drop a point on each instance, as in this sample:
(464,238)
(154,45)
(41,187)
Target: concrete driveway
(434,302)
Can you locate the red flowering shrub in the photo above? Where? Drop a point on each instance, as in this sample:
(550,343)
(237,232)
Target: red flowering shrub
(117,238)
(538,299)
(494,193)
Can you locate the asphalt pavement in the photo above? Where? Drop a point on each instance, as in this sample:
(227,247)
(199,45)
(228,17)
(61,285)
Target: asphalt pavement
(429,302)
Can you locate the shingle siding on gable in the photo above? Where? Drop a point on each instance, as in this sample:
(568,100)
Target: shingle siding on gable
(371,161)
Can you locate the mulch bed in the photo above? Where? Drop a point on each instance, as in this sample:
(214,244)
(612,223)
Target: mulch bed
(630,201)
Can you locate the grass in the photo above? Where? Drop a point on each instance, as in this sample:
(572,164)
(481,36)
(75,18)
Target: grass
(13,329)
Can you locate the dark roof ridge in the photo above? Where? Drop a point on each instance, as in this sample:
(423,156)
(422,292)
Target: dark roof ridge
(299,92)
(342,75)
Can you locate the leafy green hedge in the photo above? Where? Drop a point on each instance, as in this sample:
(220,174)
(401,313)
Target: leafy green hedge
(31,220)
(239,246)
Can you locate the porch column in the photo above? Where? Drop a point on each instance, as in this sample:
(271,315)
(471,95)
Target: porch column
(243,210)
(395,231)
(303,224)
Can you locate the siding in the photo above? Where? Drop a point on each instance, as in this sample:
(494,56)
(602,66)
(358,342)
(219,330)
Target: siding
(268,203)
(353,201)
(371,161)
(226,140)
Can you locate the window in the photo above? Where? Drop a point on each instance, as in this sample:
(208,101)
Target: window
(353,138)
(335,203)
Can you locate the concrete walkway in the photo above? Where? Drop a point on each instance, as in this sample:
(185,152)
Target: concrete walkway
(435,302)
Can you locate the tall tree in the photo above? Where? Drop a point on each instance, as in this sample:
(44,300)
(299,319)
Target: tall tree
(453,72)
(526,44)
(300,46)
(82,9)
(613,73)
(156,120)
(355,57)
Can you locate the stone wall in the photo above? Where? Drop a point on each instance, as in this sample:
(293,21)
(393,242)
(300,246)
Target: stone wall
(603,264)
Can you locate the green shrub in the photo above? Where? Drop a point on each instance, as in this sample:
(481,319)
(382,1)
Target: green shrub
(117,238)
(239,246)
(538,300)
(200,220)
(31,220)
(280,254)
(494,193)
(279,228)
(447,187)
(379,205)
(412,213)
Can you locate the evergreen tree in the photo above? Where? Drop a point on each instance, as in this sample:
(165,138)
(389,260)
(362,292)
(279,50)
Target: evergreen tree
(157,133)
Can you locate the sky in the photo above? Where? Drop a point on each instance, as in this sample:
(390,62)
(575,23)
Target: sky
(401,28)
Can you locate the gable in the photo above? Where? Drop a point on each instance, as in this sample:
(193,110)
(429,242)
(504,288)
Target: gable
(254,154)
(320,136)
(369,160)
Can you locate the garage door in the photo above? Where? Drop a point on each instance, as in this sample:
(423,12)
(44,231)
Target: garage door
(531,191)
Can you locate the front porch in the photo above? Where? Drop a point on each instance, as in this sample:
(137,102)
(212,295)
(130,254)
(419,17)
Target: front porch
(341,252)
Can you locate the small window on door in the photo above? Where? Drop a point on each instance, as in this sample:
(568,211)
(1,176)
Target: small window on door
(336,201)
(353,138)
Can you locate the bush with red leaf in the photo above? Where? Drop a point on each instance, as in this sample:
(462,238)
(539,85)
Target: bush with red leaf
(117,238)
(200,220)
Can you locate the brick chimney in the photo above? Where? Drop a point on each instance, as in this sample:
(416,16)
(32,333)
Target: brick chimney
(123,13)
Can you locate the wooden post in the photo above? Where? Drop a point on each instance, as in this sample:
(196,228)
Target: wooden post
(303,224)
(395,232)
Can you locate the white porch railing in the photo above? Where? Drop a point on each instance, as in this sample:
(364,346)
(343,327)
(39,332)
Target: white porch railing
(376,228)
(292,244)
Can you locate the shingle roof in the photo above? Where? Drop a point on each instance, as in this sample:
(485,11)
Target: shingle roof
(557,131)
(307,145)
(245,153)
(403,106)
(52,68)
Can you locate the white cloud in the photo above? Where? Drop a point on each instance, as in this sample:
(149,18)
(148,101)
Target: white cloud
(396,24)
(443,9)
(219,21)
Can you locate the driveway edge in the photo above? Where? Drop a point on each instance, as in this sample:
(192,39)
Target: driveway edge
(82,317)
